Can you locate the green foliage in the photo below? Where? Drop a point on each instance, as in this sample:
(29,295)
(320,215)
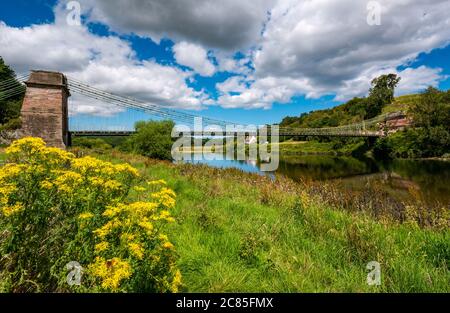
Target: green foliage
(353,111)
(90,143)
(152,139)
(241,232)
(430,136)
(380,94)
(432,109)
(14,123)
(9,108)
(55,209)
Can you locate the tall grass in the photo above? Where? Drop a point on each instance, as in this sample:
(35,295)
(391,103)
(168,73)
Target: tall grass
(244,232)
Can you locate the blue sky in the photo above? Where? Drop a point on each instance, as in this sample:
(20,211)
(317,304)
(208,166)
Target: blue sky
(266,89)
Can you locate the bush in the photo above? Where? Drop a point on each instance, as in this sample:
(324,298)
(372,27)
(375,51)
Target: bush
(56,209)
(382,149)
(12,124)
(414,143)
(152,139)
(91,143)
(10,107)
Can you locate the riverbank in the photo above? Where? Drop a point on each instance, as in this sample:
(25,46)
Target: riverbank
(237,231)
(290,148)
(241,232)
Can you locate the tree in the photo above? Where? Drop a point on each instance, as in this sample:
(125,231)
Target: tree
(381,93)
(9,108)
(152,139)
(430,134)
(433,109)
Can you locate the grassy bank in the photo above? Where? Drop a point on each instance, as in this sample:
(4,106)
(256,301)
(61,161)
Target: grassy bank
(236,231)
(292,148)
(289,148)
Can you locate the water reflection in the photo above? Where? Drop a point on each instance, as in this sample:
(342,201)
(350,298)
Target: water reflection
(427,179)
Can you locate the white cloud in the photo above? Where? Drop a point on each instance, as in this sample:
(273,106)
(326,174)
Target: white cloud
(107,62)
(193,56)
(314,48)
(326,47)
(83,105)
(418,79)
(227,63)
(412,80)
(230,24)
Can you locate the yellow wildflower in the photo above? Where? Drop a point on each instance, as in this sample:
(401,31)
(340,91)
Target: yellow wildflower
(127,237)
(96,181)
(85,215)
(112,211)
(145,224)
(137,250)
(46,184)
(26,144)
(163,237)
(67,180)
(11,170)
(144,207)
(168,245)
(127,169)
(10,210)
(112,185)
(107,228)
(176,283)
(165,196)
(55,156)
(111,272)
(102,246)
(157,182)
(139,188)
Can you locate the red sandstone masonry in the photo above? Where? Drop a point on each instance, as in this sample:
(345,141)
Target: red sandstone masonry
(44,108)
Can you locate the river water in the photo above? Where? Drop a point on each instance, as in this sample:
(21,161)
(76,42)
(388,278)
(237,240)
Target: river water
(428,179)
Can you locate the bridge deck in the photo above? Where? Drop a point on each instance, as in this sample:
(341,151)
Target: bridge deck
(307,132)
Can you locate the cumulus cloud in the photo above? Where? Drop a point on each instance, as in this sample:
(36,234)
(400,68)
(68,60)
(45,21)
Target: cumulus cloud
(412,80)
(230,24)
(327,47)
(83,105)
(193,56)
(287,48)
(107,62)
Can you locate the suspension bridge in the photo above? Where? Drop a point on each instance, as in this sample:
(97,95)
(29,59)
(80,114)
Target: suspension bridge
(46,102)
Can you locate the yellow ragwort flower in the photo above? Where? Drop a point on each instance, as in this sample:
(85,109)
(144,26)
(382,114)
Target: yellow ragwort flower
(102,246)
(168,245)
(136,249)
(85,215)
(176,283)
(111,271)
(13,209)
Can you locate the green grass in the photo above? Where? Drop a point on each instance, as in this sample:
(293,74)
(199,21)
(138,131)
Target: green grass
(2,156)
(240,232)
(289,148)
(401,103)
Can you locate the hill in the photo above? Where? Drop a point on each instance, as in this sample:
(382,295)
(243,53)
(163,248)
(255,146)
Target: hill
(350,112)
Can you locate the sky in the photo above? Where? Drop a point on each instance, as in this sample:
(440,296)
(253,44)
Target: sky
(250,62)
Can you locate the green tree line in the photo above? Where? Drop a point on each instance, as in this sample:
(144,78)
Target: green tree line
(10,107)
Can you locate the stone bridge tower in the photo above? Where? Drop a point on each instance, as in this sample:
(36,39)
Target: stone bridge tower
(44,111)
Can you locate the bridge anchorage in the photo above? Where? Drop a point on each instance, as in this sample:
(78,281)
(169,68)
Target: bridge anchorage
(45,112)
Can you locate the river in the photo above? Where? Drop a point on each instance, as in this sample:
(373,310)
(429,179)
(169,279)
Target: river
(427,179)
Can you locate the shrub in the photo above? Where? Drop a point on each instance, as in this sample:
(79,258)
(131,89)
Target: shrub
(91,143)
(12,124)
(55,209)
(152,139)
